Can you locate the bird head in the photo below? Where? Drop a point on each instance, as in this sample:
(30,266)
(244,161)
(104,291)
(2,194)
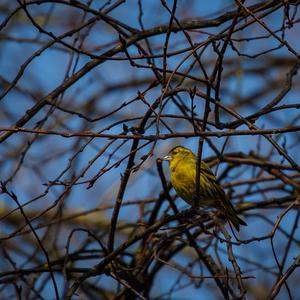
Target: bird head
(178,153)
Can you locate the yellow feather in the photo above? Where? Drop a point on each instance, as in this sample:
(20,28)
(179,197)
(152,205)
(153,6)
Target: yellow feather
(183,178)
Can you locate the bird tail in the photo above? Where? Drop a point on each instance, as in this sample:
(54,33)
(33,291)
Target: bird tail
(232,216)
(236,221)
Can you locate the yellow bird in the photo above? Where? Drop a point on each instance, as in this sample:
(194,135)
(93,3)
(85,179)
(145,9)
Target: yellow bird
(183,178)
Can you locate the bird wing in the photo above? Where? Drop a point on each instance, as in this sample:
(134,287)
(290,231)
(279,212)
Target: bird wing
(213,192)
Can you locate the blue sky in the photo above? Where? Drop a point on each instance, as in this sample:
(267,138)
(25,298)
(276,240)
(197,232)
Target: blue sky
(48,71)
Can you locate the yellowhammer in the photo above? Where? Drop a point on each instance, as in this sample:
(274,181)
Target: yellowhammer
(183,178)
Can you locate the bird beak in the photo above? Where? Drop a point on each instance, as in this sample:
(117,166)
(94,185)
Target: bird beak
(167,157)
